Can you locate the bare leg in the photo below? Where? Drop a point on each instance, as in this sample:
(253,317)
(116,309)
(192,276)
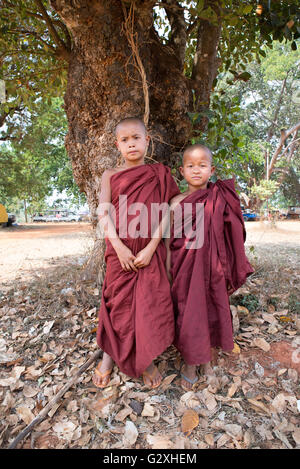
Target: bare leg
(101,376)
(207,369)
(189,372)
(152,376)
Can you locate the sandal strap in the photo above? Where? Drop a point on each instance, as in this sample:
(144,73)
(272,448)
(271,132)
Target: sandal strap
(189,380)
(103,375)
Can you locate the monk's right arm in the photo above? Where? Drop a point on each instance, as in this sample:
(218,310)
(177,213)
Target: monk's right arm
(167,243)
(105,211)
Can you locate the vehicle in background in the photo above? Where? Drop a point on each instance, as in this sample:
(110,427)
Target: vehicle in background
(56,215)
(6,219)
(85,216)
(249,215)
(68,216)
(293,213)
(11,219)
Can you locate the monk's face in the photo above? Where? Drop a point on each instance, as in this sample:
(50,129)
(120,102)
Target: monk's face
(197,168)
(132,141)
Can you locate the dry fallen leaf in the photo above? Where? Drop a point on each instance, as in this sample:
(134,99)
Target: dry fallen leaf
(130,434)
(30,391)
(123,414)
(159,442)
(223,440)
(209,399)
(261,343)
(47,327)
(136,406)
(209,438)
(189,399)
(232,389)
(47,357)
(296,436)
(148,410)
(242,309)
(25,414)
(65,429)
(46,441)
(189,421)
(14,376)
(7,357)
(259,406)
(168,380)
(236,349)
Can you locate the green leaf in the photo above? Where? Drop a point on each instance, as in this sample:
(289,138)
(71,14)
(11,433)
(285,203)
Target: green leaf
(247,9)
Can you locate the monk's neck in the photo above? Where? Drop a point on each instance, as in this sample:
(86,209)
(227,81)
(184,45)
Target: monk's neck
(193,189)
(133,164)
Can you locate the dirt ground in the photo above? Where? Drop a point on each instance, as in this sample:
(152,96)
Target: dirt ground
(48,318)
(28,248)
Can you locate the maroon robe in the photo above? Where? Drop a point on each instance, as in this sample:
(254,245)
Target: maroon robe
(200,276)
(136,317)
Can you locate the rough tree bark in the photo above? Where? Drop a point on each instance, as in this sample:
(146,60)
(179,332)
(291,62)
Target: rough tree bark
(105,81)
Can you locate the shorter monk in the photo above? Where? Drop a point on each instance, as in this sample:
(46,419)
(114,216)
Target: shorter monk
(206,262)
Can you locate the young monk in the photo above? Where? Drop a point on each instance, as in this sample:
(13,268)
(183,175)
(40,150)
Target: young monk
(136,317)
(208,269)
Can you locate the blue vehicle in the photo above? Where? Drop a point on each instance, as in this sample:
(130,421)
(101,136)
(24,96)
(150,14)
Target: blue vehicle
(250,216)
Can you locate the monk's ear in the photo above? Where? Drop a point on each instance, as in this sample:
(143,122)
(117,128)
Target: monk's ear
(117,144)
(181,171)
(212,170)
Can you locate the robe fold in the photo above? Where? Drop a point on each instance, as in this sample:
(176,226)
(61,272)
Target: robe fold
(200,276)
(136,316)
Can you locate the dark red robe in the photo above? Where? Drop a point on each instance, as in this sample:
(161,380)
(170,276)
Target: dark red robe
(136,317)
(200,276)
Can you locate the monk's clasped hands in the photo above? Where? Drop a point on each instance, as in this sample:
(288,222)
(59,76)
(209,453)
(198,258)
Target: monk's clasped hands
(129,262)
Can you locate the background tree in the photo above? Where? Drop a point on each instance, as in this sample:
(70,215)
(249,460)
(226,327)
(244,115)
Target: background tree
(36,163)
(156,59)
(268,121)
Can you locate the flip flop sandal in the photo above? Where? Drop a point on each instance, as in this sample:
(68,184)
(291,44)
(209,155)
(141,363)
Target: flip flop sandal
(151,376)
(101,375)
(189,380)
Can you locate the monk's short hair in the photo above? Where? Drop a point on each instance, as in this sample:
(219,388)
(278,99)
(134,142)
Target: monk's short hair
(198,146)
(133,119)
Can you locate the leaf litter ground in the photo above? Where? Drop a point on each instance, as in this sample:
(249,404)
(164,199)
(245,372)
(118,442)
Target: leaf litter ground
(48,329)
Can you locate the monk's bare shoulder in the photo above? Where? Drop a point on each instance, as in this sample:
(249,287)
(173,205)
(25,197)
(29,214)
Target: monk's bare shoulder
(108,173)
(176,200)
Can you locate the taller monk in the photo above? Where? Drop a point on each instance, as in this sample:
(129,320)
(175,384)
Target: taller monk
(136,317)
(206,262)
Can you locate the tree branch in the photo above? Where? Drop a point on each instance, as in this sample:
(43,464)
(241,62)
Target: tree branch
(177,42)
(284,135)
(206,62)
(43,414)
(277,109)
(32,33)
(55,36)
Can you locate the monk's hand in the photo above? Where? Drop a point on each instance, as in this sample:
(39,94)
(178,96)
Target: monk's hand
(143,258)
(230,290)
(126,259)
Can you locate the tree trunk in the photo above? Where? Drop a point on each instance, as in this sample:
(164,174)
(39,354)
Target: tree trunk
(25,211)
(108,80)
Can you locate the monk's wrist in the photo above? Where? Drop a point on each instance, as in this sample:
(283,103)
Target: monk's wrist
(116,243)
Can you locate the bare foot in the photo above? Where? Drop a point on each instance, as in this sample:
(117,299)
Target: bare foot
(207,369)
(188,376)
(102,373)
(152,377)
